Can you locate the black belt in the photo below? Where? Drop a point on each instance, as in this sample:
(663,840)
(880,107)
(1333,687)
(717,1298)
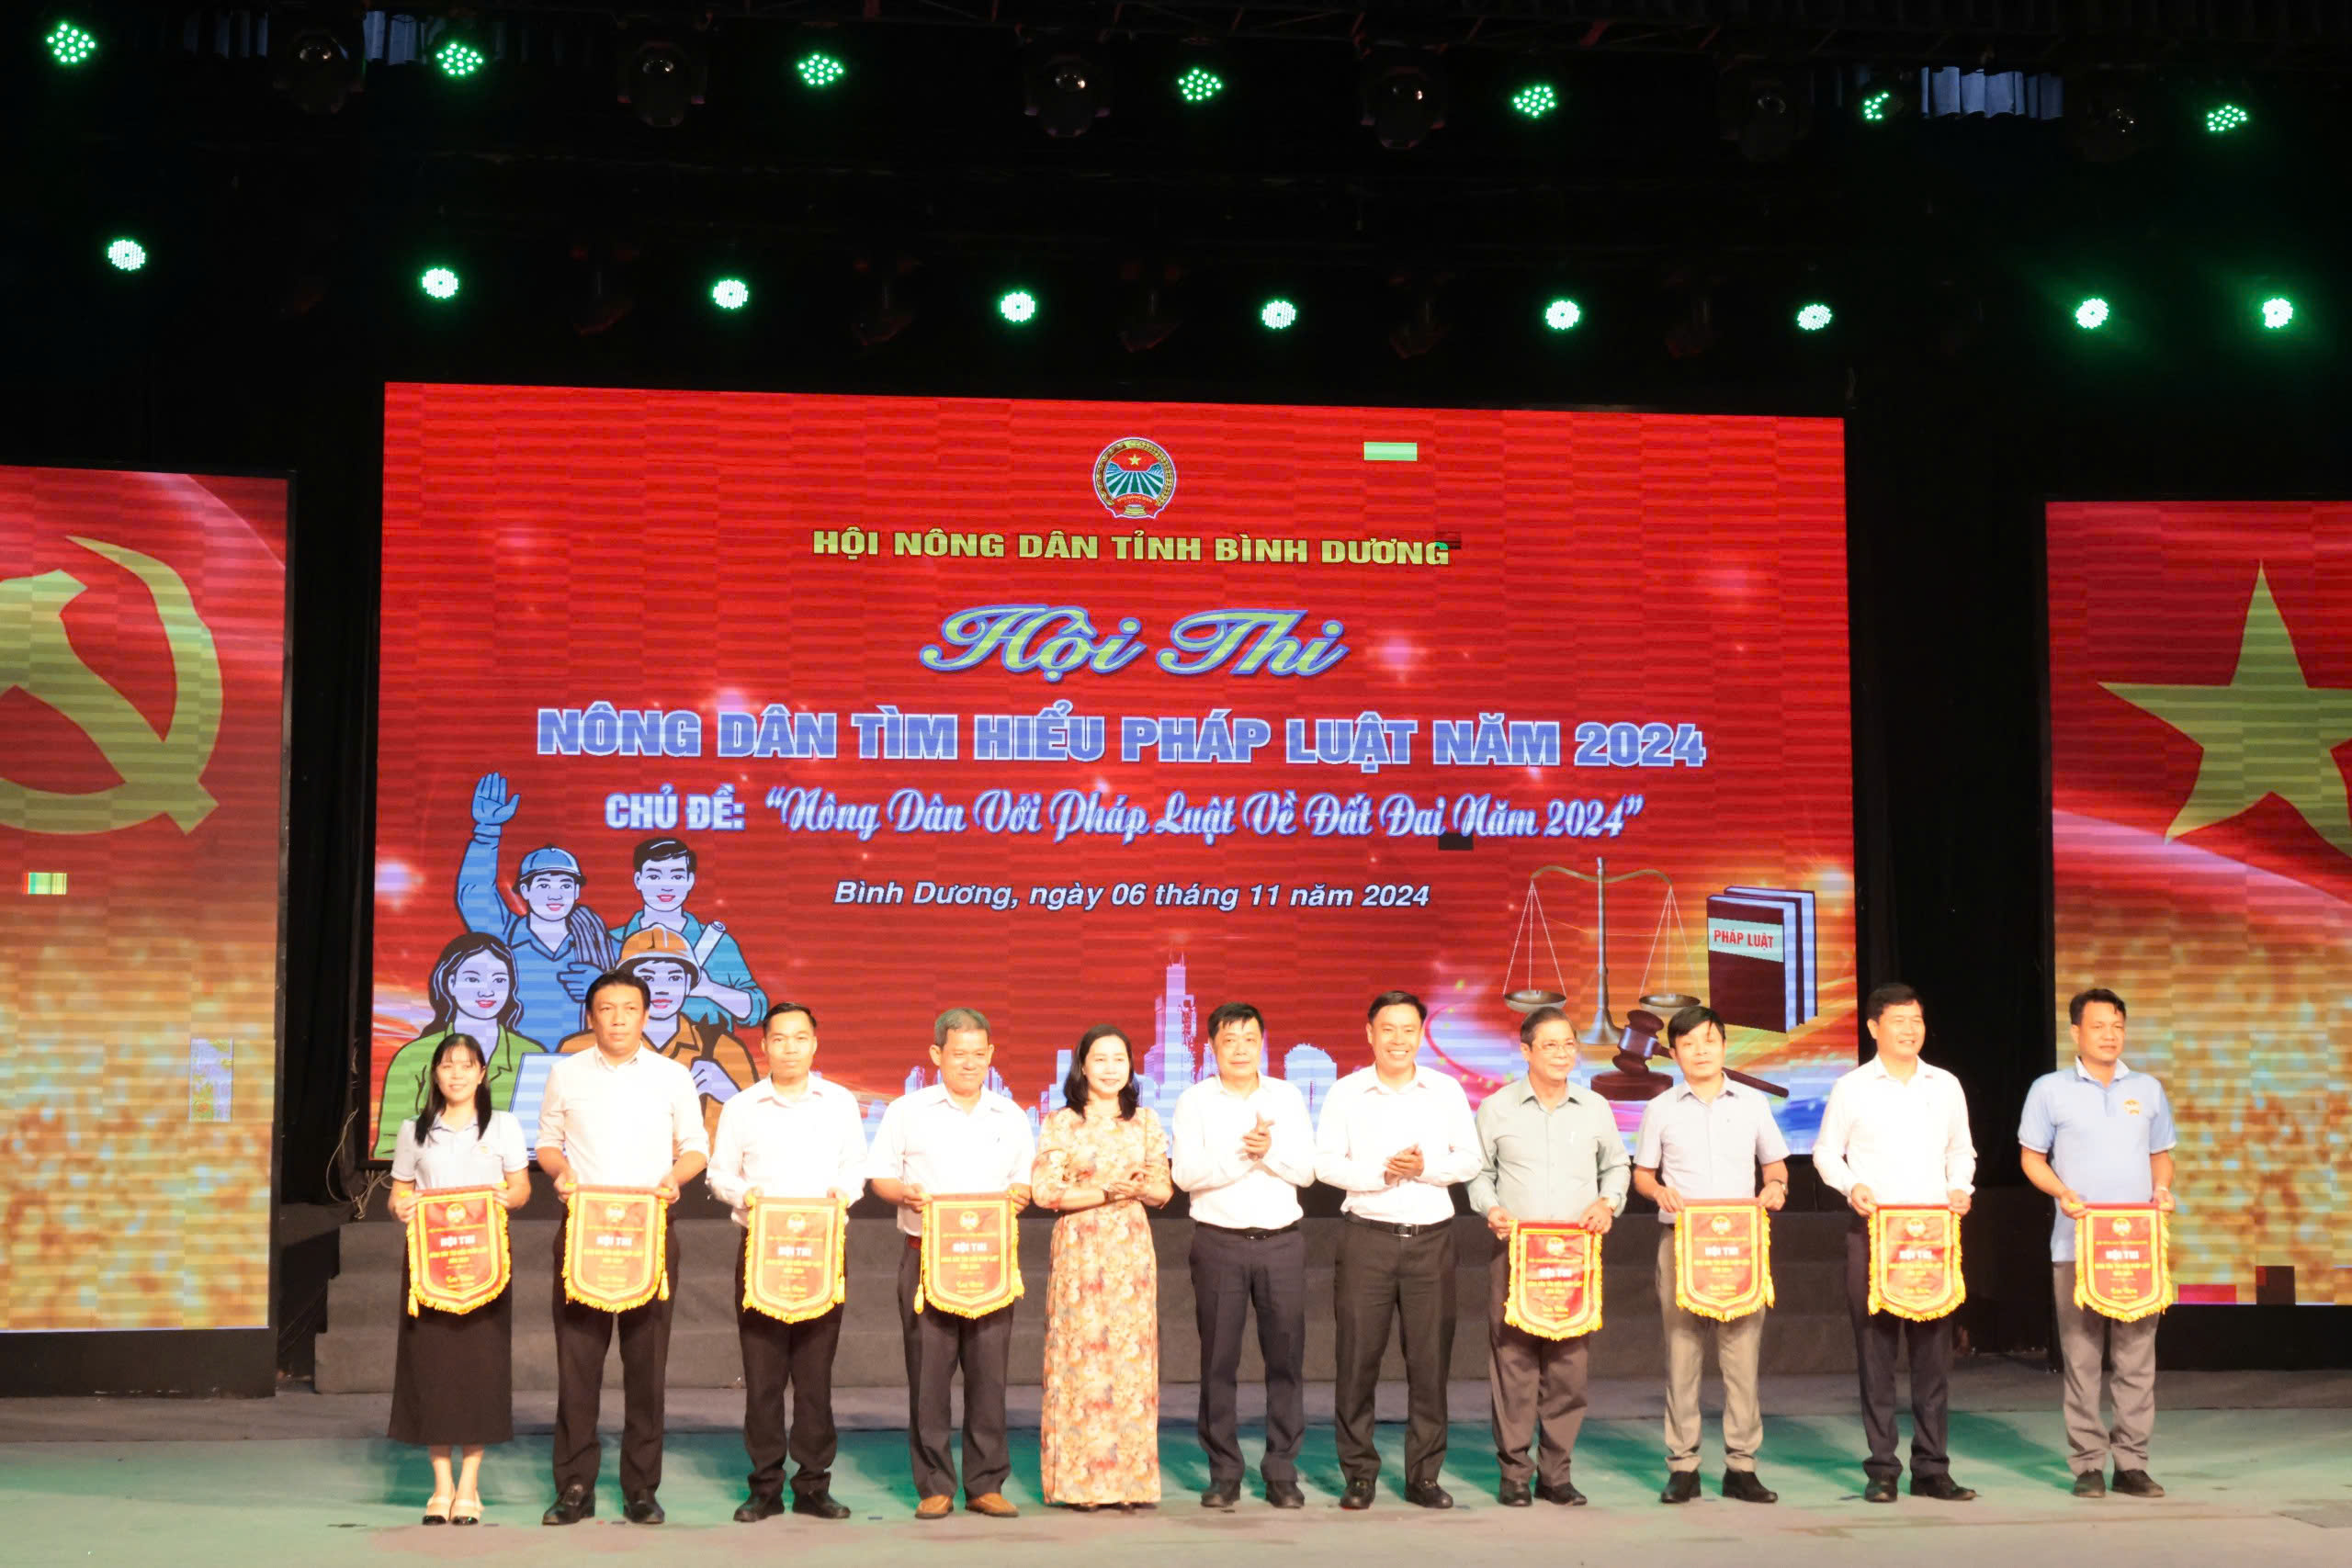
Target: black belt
(1388,1227)
(1251,1235)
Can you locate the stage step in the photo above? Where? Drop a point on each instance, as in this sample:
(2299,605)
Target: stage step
(1808,1332)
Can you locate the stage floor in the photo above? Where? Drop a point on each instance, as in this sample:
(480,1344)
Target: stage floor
(2259,1466)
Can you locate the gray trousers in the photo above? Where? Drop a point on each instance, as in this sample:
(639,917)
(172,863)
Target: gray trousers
(1532,1380)
(2084,1338)
(1737,1345)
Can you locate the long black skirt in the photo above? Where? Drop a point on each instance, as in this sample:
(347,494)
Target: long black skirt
(453,1375)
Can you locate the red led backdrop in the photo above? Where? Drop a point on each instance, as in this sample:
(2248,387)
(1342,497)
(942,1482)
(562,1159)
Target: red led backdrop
(1079,712)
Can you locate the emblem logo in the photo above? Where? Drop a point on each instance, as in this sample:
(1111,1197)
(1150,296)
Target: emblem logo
(615,1212)
(456,1214)
(968,1220)
(1555,1247)
(2122,1227)
(1915,1229)
(1720,1224)
(795,1222)
(1135,478)
(160,773)
(2132,1108)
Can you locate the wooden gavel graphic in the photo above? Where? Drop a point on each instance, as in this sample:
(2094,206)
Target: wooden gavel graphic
(1642,1046)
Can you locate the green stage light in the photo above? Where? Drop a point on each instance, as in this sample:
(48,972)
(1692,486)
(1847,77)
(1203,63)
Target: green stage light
(2278,311)
(70,43)
(127,254)
(1018,306)
(1562,314)
(1877,106)
(1813,317)
(438,283)
(820,70)
(1277,315)
(2222,119)
(1534,100)
(730,293)
(2091,314)
(458,57)
(1198,84)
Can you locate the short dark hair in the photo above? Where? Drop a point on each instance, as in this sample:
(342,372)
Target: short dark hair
(611,977)
(2095,994)
(661,849)
(1075,1089)
(1690,1020)
(781,1009)
(954,1019)
(1894,994)
(1234,1012)
(1538,1018)
(1395,999)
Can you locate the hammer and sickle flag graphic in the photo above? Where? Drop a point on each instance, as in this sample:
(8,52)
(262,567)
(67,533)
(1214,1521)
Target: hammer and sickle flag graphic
(161,774)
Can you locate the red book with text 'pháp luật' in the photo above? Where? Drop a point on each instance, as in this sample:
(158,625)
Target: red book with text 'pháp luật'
(1751,980)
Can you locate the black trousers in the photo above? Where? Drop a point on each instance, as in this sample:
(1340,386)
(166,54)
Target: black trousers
(582,1336)
(1233,1272)
(1380,1279)
(777,1356)
(937,1343)
(1875,1334)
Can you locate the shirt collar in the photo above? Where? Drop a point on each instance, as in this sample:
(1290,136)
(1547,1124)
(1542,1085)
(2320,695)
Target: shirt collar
(1420,1080)
(643,1046)
(2122,1071)
(1682,1091)
(1876,1067)
(1526,1086)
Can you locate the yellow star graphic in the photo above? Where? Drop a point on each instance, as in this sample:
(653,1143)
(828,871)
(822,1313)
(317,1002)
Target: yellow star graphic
(2268,732)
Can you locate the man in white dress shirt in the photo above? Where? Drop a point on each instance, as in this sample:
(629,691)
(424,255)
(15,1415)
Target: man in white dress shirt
(1243,1149)
(790,1135)
(954,1137)
(1395,1137)
(618,1115)
(1895,1131)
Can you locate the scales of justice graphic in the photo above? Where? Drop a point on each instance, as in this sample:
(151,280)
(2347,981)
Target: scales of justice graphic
(1639,1042)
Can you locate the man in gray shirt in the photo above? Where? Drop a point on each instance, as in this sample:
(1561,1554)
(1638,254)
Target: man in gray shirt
(1702,1141)
(1551,1153)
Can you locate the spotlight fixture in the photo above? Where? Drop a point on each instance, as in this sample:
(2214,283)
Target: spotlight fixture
(2278,312)
(2107,117)
(1148,319)
(1815,316)
(2092,314)
(1017,306)
(438,283)
(662,73)
(1065,88)
(317,61)
(2221,118)
(1562,314)
(820,69)
(1534,100)
(126,254)
(1277,314)
(458,52)
(1884,97)
(1764,111)
(730,293)
(1197,84)
(1404,94)
(70,43)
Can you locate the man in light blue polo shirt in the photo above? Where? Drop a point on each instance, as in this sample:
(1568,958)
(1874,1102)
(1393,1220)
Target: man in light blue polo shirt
(2100,1132)
(1703,1141)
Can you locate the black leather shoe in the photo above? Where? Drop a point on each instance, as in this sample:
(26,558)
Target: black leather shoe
(2137,1484)
(577,1503)
(818,1505)
(1743,1486)
(1514,1495)
(1222,1494)
(1358,1496)
(757,1506)
(1428,1494)
(1681,1486)
(2090,1483)
(1942,1488)
(643,1511)
(1284,1494)
(1879,1489)
(1565,1495)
